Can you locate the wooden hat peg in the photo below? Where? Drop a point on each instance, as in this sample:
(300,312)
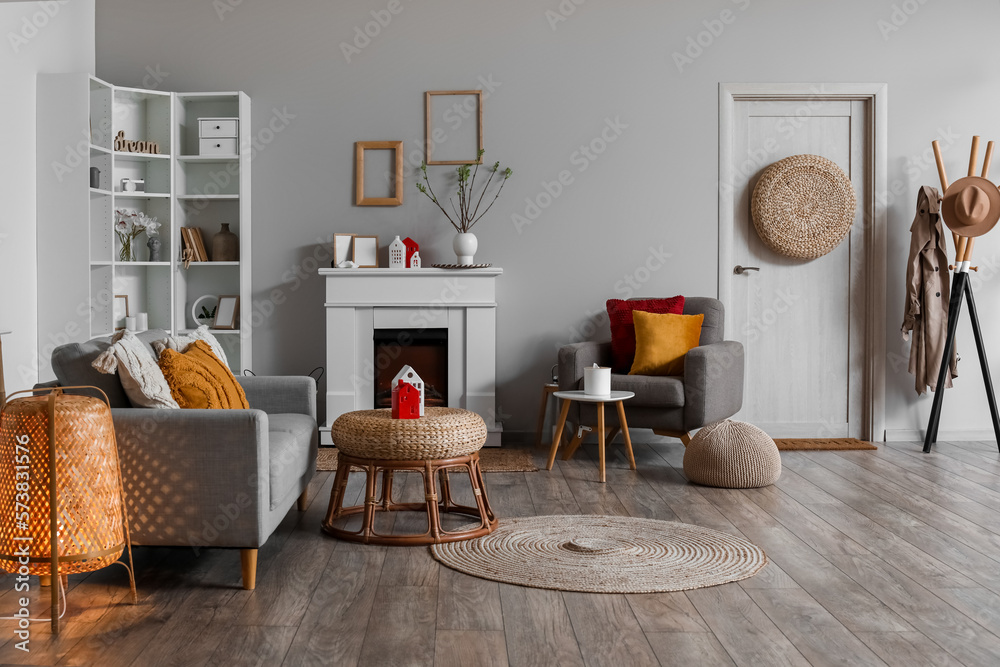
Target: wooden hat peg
(987,160)
(974,155)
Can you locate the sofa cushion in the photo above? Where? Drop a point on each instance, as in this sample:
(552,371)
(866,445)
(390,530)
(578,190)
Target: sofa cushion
(72,366)
(199,380)
(623,330)
(655,391)
(141,378)
(662,341)
(289,442)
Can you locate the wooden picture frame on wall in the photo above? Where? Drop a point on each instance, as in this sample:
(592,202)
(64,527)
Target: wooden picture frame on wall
(359,173)
(365,253)
(227,313)
(433,135)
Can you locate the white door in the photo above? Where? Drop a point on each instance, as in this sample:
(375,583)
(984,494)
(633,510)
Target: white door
(802,322)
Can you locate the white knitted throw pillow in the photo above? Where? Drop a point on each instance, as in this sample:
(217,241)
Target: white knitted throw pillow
(181,343)
(138,371)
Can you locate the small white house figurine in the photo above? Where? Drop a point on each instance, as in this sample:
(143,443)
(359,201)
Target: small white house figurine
(415,260)
(409,376)
(397,255)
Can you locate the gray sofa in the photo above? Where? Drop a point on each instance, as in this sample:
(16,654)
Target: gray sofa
(207,478)
(710,389)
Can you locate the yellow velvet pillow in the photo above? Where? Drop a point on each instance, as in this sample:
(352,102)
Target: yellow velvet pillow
(199,380)
(662,340)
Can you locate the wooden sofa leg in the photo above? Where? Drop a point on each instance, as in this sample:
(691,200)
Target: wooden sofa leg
(248,560)
(686,438)
(683,435)
(303,502)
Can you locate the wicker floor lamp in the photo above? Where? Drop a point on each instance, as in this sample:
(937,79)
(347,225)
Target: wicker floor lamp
(60,484)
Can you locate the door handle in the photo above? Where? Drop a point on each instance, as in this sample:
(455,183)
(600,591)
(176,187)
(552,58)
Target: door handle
(740,270)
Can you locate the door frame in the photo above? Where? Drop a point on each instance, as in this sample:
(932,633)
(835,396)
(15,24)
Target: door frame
(874,95)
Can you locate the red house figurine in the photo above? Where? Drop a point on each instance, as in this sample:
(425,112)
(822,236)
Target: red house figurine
(405,401)
(411,247)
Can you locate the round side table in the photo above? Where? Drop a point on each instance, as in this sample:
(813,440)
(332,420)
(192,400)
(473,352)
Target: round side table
(443,439)
(616,397)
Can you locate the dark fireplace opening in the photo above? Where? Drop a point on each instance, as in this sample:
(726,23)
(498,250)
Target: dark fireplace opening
(424,350)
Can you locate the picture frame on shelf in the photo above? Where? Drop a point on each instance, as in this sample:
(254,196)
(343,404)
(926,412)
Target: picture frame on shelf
(365,254)
(444,127)
(120,311)
(395,196)
(341,249)
(227,313)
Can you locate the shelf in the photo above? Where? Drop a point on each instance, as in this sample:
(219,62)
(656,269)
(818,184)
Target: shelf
(142,195)
(117,263)
(97,192)
(101,262)
(209,159)
(212,331)
(221,197)
(140,157)
(99,150)
(213,264)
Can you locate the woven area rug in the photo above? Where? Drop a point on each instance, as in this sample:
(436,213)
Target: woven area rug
(604,554)
(818,444)
(493,459)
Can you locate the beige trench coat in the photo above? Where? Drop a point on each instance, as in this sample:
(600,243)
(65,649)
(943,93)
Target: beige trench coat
(927,293)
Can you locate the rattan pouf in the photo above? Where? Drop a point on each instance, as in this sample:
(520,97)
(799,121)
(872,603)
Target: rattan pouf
(373,442)
(732,455)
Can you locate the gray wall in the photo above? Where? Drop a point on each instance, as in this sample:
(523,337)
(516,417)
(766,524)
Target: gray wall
(54,37)
(653,188)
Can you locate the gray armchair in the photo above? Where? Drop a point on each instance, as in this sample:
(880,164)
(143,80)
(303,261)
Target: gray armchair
(710,389)
(208,478)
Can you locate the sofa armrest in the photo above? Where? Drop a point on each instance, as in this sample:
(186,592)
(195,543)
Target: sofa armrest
(195,477)
(275,395)
(575,357)
(713,383)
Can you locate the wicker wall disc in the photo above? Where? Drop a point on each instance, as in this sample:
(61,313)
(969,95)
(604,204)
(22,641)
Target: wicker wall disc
(442,433)
(803,206)
(604,554)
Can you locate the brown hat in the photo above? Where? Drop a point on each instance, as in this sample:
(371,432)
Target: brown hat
(971,206)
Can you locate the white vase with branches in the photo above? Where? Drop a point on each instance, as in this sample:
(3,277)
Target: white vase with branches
(465,204)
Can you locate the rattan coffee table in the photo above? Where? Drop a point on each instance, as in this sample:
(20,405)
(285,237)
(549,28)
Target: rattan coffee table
(443,439)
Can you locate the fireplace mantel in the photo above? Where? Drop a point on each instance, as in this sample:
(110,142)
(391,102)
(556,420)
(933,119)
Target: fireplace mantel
(359,301)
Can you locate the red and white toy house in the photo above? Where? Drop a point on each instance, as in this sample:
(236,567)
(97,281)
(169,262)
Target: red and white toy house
(411,247)
(407,394)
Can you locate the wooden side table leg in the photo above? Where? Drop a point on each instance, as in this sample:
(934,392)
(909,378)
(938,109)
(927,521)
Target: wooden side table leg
(612,434)
(600,438)
(546,392)
(628,440)
(574,443)
(559,431)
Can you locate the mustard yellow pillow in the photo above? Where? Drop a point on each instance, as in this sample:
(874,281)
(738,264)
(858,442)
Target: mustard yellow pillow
(662,340)
(198,380)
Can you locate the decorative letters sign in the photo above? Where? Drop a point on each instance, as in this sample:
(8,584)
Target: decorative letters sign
(124,145)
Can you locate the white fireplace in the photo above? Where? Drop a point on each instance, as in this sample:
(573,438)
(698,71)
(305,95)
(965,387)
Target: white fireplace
(460,302)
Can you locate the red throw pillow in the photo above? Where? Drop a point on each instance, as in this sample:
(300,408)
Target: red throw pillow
(623,330)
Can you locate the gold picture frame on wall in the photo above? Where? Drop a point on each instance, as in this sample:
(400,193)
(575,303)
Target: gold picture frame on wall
(359,173)
(433,135)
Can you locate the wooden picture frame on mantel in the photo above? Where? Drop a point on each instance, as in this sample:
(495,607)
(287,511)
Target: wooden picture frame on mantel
(365,252)
(434,135)
(359,173)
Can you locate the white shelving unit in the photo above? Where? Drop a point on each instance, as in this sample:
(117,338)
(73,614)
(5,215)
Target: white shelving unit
(78,118)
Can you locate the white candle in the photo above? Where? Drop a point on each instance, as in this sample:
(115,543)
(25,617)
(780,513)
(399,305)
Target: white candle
(130,323)
(597,381)
(142,321)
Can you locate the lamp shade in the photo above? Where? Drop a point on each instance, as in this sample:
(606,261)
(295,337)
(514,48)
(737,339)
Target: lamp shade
(78,433)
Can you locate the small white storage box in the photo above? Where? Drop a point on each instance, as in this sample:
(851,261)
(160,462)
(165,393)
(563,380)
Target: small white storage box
(218,127)
(218,146)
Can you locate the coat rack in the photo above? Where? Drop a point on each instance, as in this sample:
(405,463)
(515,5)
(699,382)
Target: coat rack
(960,283)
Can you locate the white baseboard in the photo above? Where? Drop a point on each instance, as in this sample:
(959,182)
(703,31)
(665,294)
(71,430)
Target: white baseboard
(944,435)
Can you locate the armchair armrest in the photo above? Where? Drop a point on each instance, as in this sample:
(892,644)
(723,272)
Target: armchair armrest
(289,394)
(195,477)
(713,383)
(575,357)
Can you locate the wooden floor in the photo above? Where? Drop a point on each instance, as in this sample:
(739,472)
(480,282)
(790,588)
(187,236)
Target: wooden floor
(888,557)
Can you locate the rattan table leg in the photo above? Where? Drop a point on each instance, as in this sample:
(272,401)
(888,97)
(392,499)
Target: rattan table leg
(559,431)
(371,471)
(446,500)
(337,494)
(628,440)
(386,488)
(478,491)
(431,499)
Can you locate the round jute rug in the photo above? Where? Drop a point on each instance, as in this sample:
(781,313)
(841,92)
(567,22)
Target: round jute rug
(604,554)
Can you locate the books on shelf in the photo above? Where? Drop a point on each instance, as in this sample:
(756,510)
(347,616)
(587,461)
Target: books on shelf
(194,242)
